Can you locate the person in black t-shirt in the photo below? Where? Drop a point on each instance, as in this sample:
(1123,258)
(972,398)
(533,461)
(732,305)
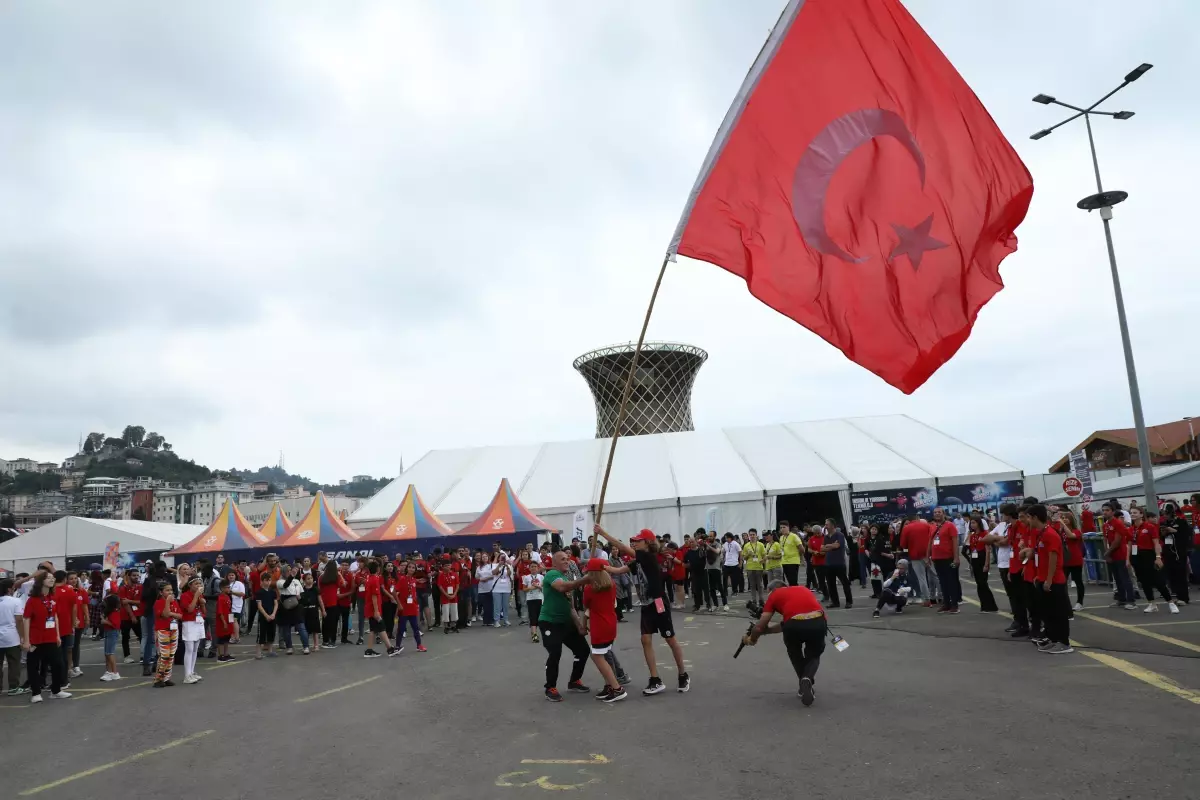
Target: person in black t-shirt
(656,614)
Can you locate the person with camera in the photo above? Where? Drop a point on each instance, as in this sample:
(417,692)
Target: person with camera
(803,627)
(895,590)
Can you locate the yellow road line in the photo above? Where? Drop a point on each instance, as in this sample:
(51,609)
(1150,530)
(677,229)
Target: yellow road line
(1195,648)
(596,758)
(1178,622)
(338,689)
(89,772)
(1145,675)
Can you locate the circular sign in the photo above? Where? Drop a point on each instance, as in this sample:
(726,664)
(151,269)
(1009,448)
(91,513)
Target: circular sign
(1072,487)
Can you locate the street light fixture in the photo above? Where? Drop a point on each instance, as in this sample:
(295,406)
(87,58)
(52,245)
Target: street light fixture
(1103,202)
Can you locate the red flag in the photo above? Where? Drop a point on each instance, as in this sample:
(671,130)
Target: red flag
(859,187)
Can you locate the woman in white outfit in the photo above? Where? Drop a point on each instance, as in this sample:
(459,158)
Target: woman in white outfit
(501,589)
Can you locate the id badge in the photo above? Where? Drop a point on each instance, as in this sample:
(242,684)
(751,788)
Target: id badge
(1134,550)
(410,600)
(362,590)
(1035,559)
(974,554)
(51,623)
(174,625)
(841,644)
(230,617)
(937,540)
(658,605)
(1169,540)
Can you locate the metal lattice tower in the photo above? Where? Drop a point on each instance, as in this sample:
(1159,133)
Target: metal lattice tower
(661,398)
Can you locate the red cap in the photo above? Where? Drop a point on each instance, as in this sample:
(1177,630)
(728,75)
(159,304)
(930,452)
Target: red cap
(596,565)
(645,535)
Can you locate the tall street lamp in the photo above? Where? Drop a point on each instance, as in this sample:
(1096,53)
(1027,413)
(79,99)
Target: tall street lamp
(1191,440)
(1104,201)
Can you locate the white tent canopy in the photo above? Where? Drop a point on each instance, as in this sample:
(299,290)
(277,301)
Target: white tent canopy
(677,481)
(82,536)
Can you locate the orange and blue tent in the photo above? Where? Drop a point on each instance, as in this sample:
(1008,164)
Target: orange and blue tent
(319,525)
(505,514)
(229,531)
(277,524)
(412,520)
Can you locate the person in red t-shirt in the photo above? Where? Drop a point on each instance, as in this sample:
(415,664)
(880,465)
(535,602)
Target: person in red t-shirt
(914,538)
(328,584)
(1033,598)
(1073,558)
(944,553)
(803,627)
(981,563)
(408,605)
(130,596)
(1146,555)
(1116,536)
(346,592)
(66,601)
(41,638)
(678,572)
(448,589)
(373,598)
(600,600)
(1051,582)
(816,556)
(224,623)
(167,615)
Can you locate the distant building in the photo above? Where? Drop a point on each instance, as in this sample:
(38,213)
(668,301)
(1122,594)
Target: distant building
(20,465)
(343,482)
(78,461)
(1170,443)
(200,504)
(361,479)
(15,502)
(296,491)
(260,487)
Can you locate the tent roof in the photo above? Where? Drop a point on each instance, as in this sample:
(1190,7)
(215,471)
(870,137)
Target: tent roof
(229,531)
(277,523)
(320,525)
(412,520)
(505,514)
(693,468)
(77,536)
(1173,479)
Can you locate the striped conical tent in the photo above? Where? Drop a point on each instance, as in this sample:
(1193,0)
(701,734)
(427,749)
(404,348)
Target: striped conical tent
(229,531)
(320,525)
(505,514)
(412,520)
(277,524)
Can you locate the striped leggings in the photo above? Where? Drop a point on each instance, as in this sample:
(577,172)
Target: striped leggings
(168,641)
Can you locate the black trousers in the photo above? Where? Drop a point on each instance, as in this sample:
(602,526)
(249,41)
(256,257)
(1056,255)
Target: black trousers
(535,608)
(1014,585)
(40,658)
(811,574)
(833,574)
(715,588)
(1056,610)
(889,598)
(1034,606)
(987,601)
(732,577)
(556,636)
(1150,577)
(819,575)
(700,595)
(329,626)
(791,574)
(1076,574)
(344,614)
(947,575)
(128,625)
(805,642)
(1177,577)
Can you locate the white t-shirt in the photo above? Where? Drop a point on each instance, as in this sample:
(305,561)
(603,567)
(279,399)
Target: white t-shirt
(10,609)
(732,550)
(237,586)
(484,573)
(532,584)
(503,581)
(1003,551)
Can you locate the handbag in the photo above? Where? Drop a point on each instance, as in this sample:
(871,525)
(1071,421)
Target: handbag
(289,602)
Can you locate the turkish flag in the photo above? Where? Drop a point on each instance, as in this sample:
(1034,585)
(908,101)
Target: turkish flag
(859,187)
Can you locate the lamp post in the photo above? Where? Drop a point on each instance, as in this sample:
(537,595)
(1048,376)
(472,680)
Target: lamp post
(1104,201)
(1191,440)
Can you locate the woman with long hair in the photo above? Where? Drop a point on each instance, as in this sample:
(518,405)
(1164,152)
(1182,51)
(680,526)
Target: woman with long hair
(310,612)
(192,603)
(95,592)
(600,600)
(981,563)
(1073,554)
(883,559)
(501,589)
(484,573)
(41,639)
(388,587)
(330,584)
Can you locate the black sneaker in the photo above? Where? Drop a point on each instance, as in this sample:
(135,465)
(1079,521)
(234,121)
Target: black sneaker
(874,614)
(807,692)
(371,654)
(397,650)
(685,682)
(612,695)
(1010,628)
(624,679)
(359,643)
(577,686)
(553,696)
(654,687)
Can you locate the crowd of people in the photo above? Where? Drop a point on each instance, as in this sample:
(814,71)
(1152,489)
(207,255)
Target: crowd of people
(574,597)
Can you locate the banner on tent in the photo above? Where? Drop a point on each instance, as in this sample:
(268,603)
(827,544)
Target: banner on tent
(968,496)
(581,525)
(112,555)
(885,505)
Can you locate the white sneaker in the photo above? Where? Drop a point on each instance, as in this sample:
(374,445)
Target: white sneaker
(190,678)
(131,660)
(61,695)
(1150,608)
(1174,608)
(106,677)
(197,676)
(37,698)
(1078,606)
(116,676)
(76,672)
(725,608)
(1130,607)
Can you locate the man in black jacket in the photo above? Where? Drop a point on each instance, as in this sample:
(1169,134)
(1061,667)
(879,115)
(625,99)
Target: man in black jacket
(1176,533)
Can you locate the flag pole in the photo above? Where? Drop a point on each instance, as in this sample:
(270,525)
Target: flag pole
(637,351)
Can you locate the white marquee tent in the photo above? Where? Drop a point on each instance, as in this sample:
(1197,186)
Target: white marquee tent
(82,536)
(676,482)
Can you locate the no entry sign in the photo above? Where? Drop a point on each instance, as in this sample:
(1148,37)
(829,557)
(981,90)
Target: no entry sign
(1073,487)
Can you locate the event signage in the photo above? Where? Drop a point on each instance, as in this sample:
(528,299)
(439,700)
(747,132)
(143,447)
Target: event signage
(885,505)
(112,555)
(1082,469)
(982,495)
(581,525)
(1073,487)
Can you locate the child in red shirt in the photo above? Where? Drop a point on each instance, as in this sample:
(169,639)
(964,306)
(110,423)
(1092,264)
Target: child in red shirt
(224,623)
(167,615)
(408,605)
(448,586)
(600,600)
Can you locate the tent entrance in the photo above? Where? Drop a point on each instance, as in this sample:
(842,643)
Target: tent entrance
(806,509)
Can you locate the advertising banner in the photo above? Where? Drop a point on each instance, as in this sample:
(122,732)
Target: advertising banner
(970,496)
(581,526)
(1082,469)
(885,505)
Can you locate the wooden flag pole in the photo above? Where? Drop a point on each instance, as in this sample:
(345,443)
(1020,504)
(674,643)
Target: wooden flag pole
(612,447)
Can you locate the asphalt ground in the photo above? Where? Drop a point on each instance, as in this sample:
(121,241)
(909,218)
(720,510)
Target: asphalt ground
(919,705)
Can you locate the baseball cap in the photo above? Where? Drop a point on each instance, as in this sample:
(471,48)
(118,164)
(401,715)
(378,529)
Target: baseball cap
(596,565)
(645,535)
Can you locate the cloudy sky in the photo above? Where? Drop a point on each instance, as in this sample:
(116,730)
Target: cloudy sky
(355,230)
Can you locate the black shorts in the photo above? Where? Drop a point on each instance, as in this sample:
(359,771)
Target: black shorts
(376,625)
(223,639)
(655,621)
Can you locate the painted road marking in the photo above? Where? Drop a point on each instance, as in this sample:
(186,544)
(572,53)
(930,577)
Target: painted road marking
(1195,648)
(443,655)
(596,758)
(689,619)
(542,781)
(89,772)
(1179,622)
(328,692)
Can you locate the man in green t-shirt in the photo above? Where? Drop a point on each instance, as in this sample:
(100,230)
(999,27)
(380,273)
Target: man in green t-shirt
(793,549)
(754,557)
(561,627)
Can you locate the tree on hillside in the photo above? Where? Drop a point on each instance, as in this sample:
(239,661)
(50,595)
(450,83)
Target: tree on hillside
(134,435)
(153,440)
(113,441)
(166,446)
(95,441)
